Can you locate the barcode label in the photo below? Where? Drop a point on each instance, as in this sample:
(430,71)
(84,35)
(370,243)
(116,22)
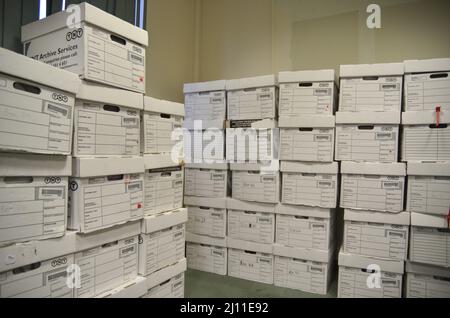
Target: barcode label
(129,122)
(136,59)
(134,187)
(322,92)
(217,215)
(322,137)
(264,96)
(216,100)
(389,87)
(127,251)
(57,110)
(391,185)
(265,260)
(384,136)
(267,179)
(51,193)
(265,220)
(217,177)
(397,234)
(219,253)
(176,235)
(325,184)
(56,275)
(314,269)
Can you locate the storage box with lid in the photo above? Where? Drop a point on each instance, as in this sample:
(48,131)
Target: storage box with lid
(204,146)
(207,254)
(427,281)
(133,289)
(167,282)
(37,110)
(97,46)
(207,180)
(207,216)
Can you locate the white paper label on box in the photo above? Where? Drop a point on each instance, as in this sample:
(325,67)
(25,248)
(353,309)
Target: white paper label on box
(377,143)
(371,192)
(106,130)
(307,276)
(427,286)
(205,106)
(250,265)
(160,249)
(173,288)
(257,187)
(426,142)
(309,189)
(430,246)
(251,226)
(428,194)
(375,239)
(157,132)
(303,232)
(206,183)
(297,99)
(42,280)
(163,190)
(207,221)
(212,259)
(32,208)
(376,94)
(35,118)
(353,284)
(424,92)
(106,267)
(257,103)
(307,144)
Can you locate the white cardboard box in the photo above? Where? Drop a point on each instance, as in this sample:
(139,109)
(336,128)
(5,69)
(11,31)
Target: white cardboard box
(172,288)
(159,121)
(207,180)
(423,139)
(376,234)
(426,281)
(105,192)
(308,270)
(204,146)
(307,94)
(304,227)
(136,288)
(251,183)
(251,221)
(205,102)
(312,184)
(367,136)
(252,98)
(430,237)
(106,121)
(428,187)
(427,84)
(163,184)
(158,280)
(207,216)
(250,261)
(36,111)
(373,186)
(206,253)
(357,274)
(371,87)
(162,242)
(311,139)
(107,266)
(98,47)
(33,197)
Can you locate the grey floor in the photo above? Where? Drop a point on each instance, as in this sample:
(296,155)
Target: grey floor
(207,285)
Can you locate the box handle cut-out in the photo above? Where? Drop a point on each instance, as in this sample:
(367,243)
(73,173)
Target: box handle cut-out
(27,88)
(21,180)
(118,39)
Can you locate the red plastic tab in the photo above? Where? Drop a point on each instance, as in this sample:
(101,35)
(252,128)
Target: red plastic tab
(140,206)
(438,115)
(448,218)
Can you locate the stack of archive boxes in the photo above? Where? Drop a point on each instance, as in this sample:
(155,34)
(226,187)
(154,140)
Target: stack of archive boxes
(376,228)
(305,218)
(206,176)
(426,150)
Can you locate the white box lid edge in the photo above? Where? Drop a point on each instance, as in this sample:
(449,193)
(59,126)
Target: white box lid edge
(309,254)
(424,118)
(154,223)
(206,240)
(307,121)
(303,210)
(163,106)
(436,168)
(211,86)
(425,269)
(251,82)
(427,66)
(374,168)
(157,161)
(359,261)
(233,204)
(166,273)
(382,69)
(220,203)
(249,246)
(402,218)
(429,220)
(292,166)
(28,165)
(134,289)
(368,118)
(84,167)
(307,76)
(206,166)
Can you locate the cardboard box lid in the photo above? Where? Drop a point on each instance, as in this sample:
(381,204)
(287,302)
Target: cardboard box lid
(163,275)
(309,254)
(429,168)
(154,223)
(211,86)
(27,165)
(249,246)
(303,210)
(109,95)
(427,66)
(157,161)
(251,82)
(21,254)
(401,218)
(84,167)
(219,203)
(192,124)
(374,168)
(429,220)
(307,76)
(309,167)
(163,106)
(134,289)
(89,14)
(362,262)
(208,166)
(382,69)
(206,240)
(368,118)
(424,118)
(26,68)
(425,269)
(307,121)
(234,204)
(273,165)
